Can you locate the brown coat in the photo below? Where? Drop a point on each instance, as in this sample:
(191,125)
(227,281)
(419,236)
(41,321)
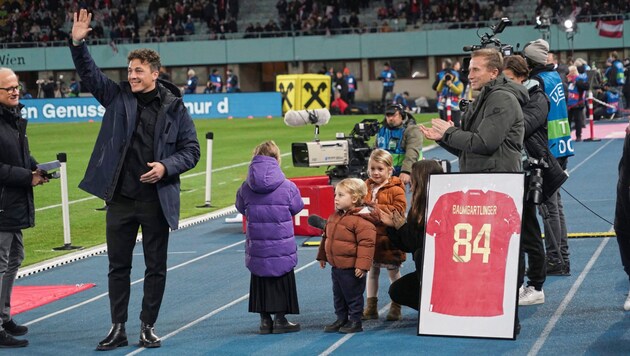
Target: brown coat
(390,197)
(348,240)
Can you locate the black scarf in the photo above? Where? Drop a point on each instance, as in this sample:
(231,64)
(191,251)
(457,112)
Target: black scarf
(145,98)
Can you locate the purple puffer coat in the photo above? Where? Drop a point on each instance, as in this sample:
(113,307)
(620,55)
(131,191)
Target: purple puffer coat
(269,201)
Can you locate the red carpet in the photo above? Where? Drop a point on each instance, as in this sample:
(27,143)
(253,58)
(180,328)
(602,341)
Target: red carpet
(29,297)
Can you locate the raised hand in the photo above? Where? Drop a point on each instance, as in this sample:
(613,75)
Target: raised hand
(81,26)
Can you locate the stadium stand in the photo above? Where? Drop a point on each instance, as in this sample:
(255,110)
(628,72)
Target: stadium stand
(25,23)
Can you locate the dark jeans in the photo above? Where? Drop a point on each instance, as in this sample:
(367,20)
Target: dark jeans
(11,257)
(576,116)
(384,102)
(558,248)
(348,294)
(406,290)
(124,216)
(532,244)
(351,97)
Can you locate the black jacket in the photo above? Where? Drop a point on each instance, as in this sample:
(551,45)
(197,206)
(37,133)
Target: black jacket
(535,117)
(622,209)
(409,238)
(17,210)
(175,145)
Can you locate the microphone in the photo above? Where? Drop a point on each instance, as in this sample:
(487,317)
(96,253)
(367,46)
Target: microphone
(317,221)
(305,117)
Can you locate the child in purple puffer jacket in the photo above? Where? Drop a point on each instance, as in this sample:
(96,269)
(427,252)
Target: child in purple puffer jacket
(269,201)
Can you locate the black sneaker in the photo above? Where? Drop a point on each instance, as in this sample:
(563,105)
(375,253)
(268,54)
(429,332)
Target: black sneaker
(334,327)
(8,341)
(351,327)
(14,329)
(558,269)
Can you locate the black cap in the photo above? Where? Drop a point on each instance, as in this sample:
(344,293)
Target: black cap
(392,108)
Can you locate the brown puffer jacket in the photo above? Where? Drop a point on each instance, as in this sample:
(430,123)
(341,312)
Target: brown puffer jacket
(390,197)
(348,240)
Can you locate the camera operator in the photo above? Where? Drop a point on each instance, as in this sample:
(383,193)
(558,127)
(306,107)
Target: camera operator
(560,145)
(615,76)
(48,87)
(490,138)
(447,85)
(578,85)
(399,135)
(388,77)
(550,176)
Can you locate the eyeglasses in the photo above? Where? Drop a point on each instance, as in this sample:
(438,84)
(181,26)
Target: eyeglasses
(12,89)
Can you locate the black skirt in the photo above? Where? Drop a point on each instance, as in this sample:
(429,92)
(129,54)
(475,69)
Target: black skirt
(273,294)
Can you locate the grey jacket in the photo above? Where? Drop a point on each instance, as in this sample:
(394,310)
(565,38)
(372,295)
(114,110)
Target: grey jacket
(491,135)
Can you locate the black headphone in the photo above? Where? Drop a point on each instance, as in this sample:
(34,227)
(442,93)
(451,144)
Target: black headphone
(398,107)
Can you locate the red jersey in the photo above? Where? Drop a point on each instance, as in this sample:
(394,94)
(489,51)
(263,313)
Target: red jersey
(472,233)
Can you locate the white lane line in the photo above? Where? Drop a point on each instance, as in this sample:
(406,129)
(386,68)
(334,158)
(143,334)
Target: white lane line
(132,283)
(347,337)
(212,313)
(192,175)
(567,299)
(224,168)
(591,155)
(565,302)
(185,176)
(58,205)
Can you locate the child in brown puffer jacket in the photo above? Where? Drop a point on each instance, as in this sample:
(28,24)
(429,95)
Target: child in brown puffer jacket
(388,193)
(348,245)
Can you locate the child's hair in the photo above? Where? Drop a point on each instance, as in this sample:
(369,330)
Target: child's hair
(383,157)
(419,179)
(355,187)
(268,148)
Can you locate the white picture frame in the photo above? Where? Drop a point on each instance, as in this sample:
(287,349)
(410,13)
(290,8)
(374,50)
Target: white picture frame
(471,252)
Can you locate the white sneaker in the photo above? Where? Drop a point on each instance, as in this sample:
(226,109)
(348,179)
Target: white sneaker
(626,305)
(531,296)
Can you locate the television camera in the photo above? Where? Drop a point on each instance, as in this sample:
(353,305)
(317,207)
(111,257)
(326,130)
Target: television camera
(534,167)
(347,156)
(47,167)
(490,41)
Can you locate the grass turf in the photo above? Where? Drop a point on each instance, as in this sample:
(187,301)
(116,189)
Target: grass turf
(232,148)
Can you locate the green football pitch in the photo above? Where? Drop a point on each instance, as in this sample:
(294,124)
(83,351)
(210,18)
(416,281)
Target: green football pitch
(232,148)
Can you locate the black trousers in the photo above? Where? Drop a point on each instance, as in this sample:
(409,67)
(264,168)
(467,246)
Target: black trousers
(384,102)
(348,294)
(623,240)
(532,244)
(406,290)
(124,217)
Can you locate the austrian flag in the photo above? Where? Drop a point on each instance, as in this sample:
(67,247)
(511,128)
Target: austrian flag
(613,29)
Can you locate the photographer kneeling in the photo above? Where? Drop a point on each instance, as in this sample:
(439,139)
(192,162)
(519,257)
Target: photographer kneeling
(407,234)
(545,176)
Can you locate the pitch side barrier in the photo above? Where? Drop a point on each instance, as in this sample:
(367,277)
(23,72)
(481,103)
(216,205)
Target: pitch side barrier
(200,106)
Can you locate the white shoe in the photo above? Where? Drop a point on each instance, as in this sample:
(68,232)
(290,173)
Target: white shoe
(237,219)
(626,305)
(531,296)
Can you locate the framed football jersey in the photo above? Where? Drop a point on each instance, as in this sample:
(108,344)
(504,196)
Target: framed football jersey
(470,266)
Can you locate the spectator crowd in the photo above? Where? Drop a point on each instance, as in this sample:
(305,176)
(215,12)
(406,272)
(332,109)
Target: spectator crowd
(117,21)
